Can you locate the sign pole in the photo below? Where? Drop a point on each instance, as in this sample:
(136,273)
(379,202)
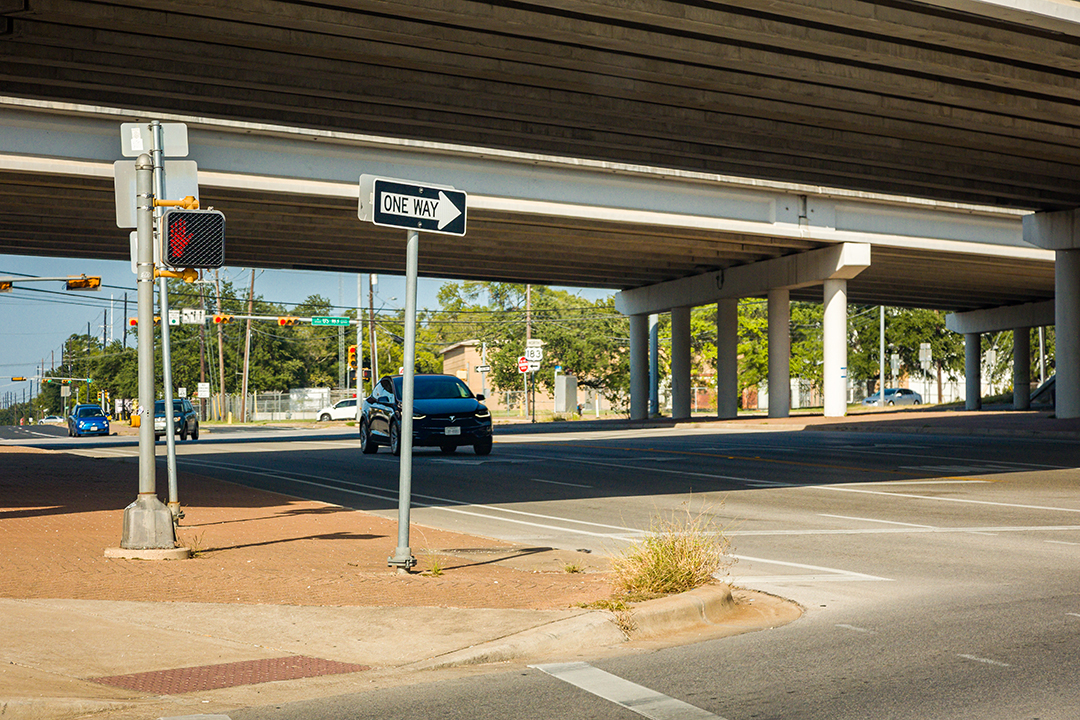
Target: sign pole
(148,524)
(403,558)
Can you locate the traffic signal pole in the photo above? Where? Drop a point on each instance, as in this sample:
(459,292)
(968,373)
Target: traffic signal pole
(166,348)
(148,524)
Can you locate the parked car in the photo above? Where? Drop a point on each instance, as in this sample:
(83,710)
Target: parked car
(87,419)
(446,415)
(51,420)
(895,396)
(342,410)
(185,419)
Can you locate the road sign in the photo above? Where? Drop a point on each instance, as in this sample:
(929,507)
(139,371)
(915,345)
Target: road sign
(192,316)
(523,364)
(181,392)
(534,354)
(204,390)
(534,342)
(533,366)
(137,138)
(407,204)
(330,320)
(181,180)
(174,317)
(483,368)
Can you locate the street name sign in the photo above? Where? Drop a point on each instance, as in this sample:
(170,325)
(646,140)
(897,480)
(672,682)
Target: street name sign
(406,204)
(330,320)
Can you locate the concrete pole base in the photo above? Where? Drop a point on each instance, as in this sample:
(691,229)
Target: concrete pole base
(148,525)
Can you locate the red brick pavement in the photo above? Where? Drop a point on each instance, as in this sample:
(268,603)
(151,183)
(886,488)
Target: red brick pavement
(59,512)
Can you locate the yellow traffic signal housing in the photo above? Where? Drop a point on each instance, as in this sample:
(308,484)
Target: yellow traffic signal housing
(84,283)
(287,321)
(18,379)
(5,287)
(222,319)
(134,322)
(352,357)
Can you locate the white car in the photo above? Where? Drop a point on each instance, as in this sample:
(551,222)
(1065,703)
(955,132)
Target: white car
(342,410)
(51,420)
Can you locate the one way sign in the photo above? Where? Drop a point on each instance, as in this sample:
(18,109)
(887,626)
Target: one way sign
(405,204)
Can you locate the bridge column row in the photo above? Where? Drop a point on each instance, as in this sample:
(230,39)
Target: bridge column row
(644,352)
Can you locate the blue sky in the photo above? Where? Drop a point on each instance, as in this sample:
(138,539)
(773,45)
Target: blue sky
(36,318)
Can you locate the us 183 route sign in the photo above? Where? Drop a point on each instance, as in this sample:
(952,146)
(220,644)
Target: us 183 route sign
(406,204)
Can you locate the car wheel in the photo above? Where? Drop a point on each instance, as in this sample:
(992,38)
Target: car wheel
(448,449)
(890,403)
(482,447)
(183,432)
(195,432)
(395,439)
(324,417)
(367,443)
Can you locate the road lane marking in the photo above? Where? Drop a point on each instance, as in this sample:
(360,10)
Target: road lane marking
(556,482)
(886,522)
(985,661)
(853,628)
(840,574)
(1061,542)
(391,495)
(837,488)
(910,530)
(633,697)
(1073,614)
(664,470)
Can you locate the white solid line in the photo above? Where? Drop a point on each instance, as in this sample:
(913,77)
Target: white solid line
(631,696)
(1073,614)
(556,482)
(834,571)
(987,661)
(837,488)
(1061,542)
(886,522)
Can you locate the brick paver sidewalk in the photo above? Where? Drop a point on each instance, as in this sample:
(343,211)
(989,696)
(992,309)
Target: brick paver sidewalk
(58,513)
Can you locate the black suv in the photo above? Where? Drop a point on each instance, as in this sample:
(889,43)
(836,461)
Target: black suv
(446,415)
(184,416)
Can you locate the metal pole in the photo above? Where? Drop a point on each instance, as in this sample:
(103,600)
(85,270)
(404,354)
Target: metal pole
(166,352)
(372,280)
(247,350)
(881,361)
(403,558)
(148,524)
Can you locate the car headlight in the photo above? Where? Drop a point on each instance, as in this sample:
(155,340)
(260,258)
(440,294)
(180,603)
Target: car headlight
(418,417)
(482,414)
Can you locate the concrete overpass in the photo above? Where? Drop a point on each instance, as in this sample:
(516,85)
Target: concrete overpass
(605,143)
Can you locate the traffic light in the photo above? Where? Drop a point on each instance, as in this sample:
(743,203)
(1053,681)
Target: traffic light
(194,238)
(5,287)
(134,322)
(222,319)
(18,379)
(366,373)
(47,381)
(84,283)
(352,357)
(283,321)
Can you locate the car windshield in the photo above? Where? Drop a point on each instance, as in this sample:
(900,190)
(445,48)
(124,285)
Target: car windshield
(90,412)
(437,387)
(159,406)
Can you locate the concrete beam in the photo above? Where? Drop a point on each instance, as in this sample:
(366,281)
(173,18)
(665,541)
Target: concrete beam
(838,262)
(1002,318)
(1059,230)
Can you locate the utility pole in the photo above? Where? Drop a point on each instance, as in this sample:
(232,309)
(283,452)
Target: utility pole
(373,280)
(221,353)
(247,350)
(125,321)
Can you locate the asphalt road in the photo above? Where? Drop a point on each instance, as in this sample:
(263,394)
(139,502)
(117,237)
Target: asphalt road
(939,573)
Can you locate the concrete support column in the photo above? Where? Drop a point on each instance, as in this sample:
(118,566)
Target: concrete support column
(973,370)
(639,367)
(1022,368)
(834,340)
(727,358)
(779,353)
(654,365)
(680,362)
(1067,333)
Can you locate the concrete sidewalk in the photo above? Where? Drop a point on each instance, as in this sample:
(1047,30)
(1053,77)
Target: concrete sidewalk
(284,600)
(288,599)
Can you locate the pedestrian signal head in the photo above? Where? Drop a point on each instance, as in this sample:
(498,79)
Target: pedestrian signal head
(194,238)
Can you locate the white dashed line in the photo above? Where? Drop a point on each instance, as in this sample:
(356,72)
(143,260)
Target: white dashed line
(985,661)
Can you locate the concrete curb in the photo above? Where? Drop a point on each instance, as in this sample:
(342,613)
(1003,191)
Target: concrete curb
(180,553)
(709,605)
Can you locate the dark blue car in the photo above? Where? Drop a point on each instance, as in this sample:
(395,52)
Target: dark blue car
(446,415)
(87,420)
